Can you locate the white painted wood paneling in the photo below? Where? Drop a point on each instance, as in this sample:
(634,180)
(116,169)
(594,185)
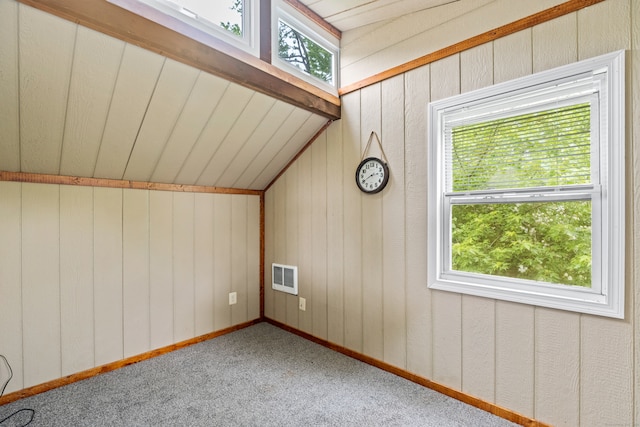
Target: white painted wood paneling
(96,61)
(197,110)
(393,225)
(174,86)
(604,28)
(232,103)
(318,238)
(135,272)
(272,132)
(107,275)
(239,273)
(183,274)
(10,282)
(46,53)
(557,373)
(555,43)
(76,279)
(41,283)
(137,78)
(264,165)
(371,222)
(253,257)
(633,253)
(222,260)
(418,317)
(269,251)
(161,269)
(291,244)
(203,263)
(9,88)
(335,233)
(279,243)
(304,233)
(239,135)
(446,306)
(352,228)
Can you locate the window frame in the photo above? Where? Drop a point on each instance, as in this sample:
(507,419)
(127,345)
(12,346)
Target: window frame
(281,10)
(605,75)
(250,40)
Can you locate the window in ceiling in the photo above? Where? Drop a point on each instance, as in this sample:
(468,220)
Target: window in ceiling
(527,189)
(303,48)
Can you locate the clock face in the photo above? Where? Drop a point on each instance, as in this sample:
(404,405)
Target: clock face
(372,175)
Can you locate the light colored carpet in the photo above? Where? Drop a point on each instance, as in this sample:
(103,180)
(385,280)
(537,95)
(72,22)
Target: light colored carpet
(258,376)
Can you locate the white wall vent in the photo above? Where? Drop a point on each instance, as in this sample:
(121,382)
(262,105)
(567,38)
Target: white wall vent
(284,278)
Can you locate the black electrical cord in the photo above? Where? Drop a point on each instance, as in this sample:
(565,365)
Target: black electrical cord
(4,386)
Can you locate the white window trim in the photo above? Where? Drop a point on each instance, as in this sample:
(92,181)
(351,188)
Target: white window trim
(250,40)
(282,10)
(606,298)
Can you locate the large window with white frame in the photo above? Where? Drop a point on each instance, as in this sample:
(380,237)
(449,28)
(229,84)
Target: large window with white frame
(526,189)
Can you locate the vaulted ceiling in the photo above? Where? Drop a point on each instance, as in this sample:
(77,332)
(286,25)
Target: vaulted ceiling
(79,102)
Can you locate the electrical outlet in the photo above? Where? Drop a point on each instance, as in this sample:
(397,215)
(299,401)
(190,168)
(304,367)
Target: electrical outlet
(233,298)
(302,303)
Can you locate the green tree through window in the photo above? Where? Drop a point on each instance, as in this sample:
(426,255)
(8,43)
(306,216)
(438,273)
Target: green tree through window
(541,241)
(304,53)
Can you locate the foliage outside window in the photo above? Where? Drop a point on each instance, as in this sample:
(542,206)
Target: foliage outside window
(230,20)
(303,48)
(527,189)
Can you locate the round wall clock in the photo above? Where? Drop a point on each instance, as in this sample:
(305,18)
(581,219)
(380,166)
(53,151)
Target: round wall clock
(372,175)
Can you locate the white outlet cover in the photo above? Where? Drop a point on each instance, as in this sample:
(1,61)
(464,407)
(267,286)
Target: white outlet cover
(302,304)
(233,298)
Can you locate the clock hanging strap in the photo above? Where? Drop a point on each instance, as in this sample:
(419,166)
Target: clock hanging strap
(373,133)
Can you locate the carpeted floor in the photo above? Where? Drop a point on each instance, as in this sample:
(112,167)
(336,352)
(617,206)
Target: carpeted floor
(258,376)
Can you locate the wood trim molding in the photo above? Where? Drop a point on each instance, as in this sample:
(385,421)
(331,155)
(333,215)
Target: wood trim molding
(440,388)
(302,150)
(519,25)
(317,19)
(69,379)
(116,183)
(133,22)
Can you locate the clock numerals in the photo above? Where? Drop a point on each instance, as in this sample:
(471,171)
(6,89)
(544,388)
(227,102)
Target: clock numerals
(372,175)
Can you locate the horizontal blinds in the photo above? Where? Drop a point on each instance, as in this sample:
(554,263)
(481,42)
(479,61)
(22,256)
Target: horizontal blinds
(541,149)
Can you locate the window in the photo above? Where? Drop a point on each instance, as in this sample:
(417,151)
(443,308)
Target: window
(234,21)
(302,48)
(526,189)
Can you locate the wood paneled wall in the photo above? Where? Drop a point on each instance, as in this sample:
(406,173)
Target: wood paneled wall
(362,258)
(91,275)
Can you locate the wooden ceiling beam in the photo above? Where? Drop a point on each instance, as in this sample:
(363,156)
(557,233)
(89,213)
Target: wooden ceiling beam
(176,40)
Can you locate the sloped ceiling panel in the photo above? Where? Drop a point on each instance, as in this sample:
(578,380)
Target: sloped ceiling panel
(77,102)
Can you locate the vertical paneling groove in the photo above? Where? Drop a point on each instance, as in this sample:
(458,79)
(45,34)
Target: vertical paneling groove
(478,314)
(41,283)
(135,272)
(107,279)
(419,327)
(393,225)
(305,211)
(183,283)
(279,241)
(203,263)
(76,278)
(291,232)
(446,307)
(222,260)
(319,235)
(11,332)
(269,253)
(606,352)
(161,268)
(239,274)
(352,223)
(335,233)
(371,220)
(253,257)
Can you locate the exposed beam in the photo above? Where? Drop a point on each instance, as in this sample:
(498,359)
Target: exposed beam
(177,40)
